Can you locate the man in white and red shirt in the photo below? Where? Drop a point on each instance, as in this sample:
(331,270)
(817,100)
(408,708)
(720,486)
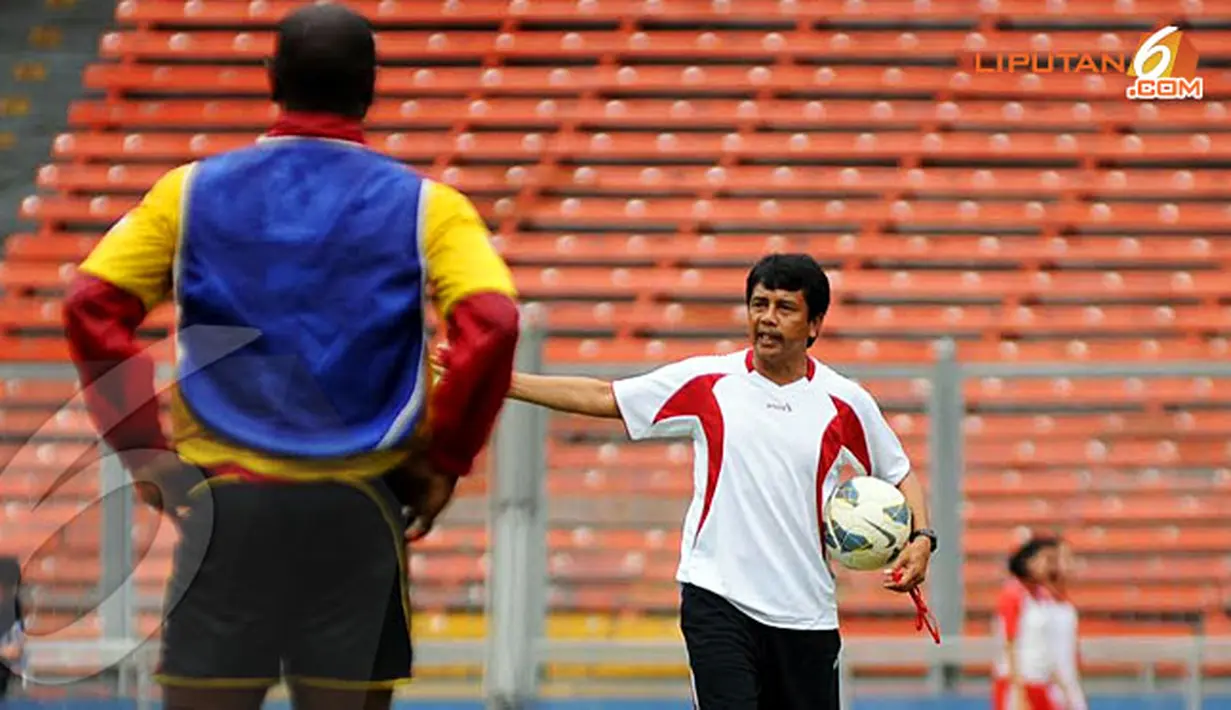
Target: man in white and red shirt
(771,427)
(1024,625)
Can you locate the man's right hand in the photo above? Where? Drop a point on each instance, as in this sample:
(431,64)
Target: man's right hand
(436,493)
(423,490)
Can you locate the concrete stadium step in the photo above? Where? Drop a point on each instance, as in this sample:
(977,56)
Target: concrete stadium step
(44,49)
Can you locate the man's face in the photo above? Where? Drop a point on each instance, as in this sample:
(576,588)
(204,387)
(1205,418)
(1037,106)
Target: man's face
(1064,562)
(778,324)
(1044,565)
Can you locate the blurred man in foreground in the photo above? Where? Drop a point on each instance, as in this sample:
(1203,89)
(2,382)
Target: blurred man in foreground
(299,268)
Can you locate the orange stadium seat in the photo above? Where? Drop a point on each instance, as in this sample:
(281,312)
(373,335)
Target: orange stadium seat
(632,158)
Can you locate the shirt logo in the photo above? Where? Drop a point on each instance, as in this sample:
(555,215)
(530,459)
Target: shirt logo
(783,407)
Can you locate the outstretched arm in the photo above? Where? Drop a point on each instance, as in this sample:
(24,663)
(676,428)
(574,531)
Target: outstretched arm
(573,395)
(650,405)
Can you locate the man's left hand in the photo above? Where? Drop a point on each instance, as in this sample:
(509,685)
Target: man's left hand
(911,567)
(163,480)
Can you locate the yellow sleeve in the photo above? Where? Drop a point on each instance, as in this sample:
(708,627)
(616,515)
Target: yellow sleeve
(460,258)
(137,253)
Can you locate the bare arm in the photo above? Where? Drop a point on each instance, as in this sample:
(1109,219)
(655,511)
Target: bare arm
(573,395)
(916,498)
(910,569)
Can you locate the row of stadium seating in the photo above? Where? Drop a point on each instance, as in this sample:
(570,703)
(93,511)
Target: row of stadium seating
(581,281)
(491,13)
(645,352)
(621,318)
(1033,452)
(441,47)
(633,157)
(1140,401)
(698,112)
(633,144)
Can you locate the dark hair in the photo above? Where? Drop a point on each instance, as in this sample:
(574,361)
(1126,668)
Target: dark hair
(325,62)
(792,272)
(1020,559)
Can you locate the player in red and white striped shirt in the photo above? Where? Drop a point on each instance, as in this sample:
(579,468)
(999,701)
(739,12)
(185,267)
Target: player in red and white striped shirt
(1025,626)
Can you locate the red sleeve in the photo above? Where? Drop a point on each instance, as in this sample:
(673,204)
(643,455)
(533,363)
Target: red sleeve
(1009,610)
(101,322)
(482,334)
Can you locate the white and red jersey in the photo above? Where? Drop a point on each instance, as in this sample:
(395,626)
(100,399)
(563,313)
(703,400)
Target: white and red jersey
(1025,619)
(766,460)
(1066,653)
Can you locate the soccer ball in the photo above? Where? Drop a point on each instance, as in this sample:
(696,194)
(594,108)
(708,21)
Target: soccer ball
(867,523)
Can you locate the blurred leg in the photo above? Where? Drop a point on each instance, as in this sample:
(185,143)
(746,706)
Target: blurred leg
(305,697)
(177,698)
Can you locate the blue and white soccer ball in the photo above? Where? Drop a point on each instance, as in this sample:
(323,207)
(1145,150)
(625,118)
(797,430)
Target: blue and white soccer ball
(867,524)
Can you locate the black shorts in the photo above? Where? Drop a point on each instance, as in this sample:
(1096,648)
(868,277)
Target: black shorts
(741,664)
(303,581)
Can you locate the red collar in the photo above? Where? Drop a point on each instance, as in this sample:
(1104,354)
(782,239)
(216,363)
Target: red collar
(318,125)
(751,364)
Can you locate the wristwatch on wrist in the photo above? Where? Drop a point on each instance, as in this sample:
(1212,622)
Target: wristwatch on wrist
(924,532)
